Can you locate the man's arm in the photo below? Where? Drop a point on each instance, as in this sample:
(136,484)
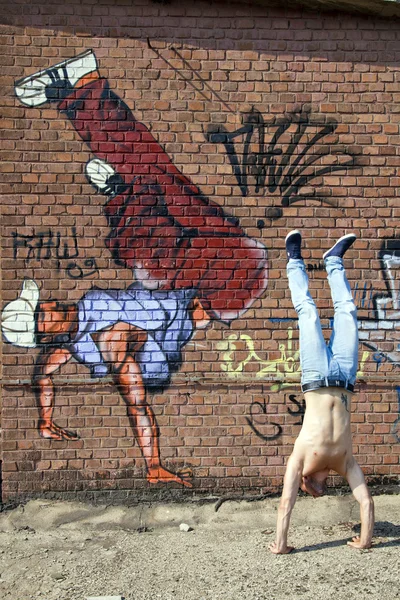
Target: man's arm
(48,362)
(355,477)
(291,485)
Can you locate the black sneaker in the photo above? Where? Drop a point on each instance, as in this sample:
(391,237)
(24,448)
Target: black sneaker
(342,245)
(293,244)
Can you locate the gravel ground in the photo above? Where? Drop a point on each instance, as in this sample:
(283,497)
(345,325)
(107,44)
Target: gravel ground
(227,560)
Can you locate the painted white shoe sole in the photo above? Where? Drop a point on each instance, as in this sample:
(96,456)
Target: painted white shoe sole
(98,173)
(31,90)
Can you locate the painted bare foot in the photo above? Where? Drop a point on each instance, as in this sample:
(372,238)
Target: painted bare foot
(161,475)
(356,543)
(51,431)
(274,549)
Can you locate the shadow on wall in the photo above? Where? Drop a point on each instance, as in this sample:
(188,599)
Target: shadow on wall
(120,20)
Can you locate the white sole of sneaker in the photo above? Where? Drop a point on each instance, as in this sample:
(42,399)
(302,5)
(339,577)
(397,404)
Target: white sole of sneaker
(292,233)
(344,237)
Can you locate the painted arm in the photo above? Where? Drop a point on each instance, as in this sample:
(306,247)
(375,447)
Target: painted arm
(288,499)
(355,477)
(48,362)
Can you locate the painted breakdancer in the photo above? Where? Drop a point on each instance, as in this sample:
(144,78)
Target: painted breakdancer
(162,227)
(134,335)
(328,377)
(192,263)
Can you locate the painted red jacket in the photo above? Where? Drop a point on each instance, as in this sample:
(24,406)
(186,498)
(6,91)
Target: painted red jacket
(161,226)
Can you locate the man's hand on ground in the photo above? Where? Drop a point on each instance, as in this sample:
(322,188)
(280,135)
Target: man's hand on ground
(356,543)
(275,550)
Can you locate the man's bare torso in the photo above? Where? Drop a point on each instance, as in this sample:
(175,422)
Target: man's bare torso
(324,442)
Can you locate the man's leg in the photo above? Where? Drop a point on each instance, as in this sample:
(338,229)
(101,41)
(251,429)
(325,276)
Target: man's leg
(344,340)
(49,361)
(313,350)
(118,346)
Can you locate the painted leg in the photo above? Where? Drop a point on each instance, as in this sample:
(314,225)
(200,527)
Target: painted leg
(48,363)
(118,346)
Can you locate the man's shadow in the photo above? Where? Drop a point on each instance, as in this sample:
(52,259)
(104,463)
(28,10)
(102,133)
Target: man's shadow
(382,529)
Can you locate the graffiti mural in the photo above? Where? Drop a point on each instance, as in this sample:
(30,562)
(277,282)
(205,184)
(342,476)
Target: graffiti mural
(191,262)
(386,309)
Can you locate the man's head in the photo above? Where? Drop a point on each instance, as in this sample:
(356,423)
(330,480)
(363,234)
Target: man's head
(315,484)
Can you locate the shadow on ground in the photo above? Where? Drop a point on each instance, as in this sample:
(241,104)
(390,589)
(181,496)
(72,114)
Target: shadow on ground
(382,529)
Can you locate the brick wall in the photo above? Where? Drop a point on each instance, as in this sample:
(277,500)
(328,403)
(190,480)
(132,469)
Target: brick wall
(279,120)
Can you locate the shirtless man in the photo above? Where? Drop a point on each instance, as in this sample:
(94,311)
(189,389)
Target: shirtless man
(328,376)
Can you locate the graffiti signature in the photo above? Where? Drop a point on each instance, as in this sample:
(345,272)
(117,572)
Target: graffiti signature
(286,367)
(46,245)
(283,155)
(284,371)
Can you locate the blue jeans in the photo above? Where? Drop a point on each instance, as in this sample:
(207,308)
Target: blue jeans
(335,363)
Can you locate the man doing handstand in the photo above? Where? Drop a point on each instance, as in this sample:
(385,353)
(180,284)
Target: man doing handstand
(328,377)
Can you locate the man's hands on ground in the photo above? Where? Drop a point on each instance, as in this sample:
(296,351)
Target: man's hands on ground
(356,543)
(277,550)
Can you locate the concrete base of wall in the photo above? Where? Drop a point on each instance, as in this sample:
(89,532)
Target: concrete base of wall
(45,515)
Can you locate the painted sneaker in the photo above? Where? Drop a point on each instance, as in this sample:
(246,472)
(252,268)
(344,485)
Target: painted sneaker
(293,244)
(54,84)
(104,178)
(341,246)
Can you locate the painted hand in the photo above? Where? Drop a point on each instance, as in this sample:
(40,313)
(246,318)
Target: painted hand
(51,431)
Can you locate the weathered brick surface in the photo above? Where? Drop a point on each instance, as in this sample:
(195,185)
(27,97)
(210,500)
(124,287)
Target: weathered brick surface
(233,409)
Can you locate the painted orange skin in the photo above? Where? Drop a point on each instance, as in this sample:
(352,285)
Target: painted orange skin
(324,444)
(118,345)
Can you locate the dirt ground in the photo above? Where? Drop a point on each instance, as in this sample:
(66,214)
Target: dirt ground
(69,551)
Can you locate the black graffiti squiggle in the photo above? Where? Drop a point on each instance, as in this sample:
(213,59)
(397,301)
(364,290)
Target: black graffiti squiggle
(287,162)
(250,420)
(258,409)
(301,408)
